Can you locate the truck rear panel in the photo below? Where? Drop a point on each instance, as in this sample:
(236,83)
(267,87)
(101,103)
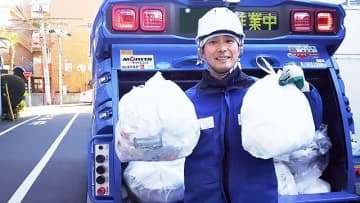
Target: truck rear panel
(126,58)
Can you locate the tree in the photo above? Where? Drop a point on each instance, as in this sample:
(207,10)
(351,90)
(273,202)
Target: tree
(15,89)
(13,38)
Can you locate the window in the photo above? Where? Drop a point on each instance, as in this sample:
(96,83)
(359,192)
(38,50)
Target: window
(37,85)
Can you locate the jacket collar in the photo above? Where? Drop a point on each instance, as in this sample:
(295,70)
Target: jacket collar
(235,79)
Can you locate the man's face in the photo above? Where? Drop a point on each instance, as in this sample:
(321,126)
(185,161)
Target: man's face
(221,53)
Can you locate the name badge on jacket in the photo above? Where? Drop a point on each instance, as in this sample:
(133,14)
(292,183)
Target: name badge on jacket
(206,123)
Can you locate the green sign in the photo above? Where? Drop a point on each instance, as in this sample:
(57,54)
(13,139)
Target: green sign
(259,20)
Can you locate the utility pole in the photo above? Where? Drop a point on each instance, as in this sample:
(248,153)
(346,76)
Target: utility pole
(1,67)
(60,33)
(45,58)
(60,71)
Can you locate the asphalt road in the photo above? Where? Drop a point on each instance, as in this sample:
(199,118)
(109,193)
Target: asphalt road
(44,155)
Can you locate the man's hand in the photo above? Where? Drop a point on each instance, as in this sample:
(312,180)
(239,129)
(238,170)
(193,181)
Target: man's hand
(294,74)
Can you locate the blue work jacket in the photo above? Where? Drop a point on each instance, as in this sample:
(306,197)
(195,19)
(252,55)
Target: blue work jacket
(219,170)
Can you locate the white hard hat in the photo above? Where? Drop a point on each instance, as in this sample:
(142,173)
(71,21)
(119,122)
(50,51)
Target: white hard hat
(219,20)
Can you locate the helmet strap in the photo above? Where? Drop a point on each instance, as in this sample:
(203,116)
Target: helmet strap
(199,60)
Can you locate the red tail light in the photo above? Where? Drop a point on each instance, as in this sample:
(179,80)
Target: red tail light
(125,18)
(301,20)
(152,18)
(325,21)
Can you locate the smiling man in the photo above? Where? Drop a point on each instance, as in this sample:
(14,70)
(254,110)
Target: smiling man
(219,169)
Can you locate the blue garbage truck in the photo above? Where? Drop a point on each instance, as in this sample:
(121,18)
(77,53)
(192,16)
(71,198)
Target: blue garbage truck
(131,40)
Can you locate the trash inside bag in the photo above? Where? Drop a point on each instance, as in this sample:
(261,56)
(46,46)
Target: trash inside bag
(156,181)
(313,185)
(157,122)
(274,119)
(285,179)
(314,158)
(307,165)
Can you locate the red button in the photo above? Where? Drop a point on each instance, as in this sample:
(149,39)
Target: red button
(101,191)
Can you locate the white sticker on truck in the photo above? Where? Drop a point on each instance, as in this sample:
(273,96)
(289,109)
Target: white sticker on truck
(137,62)
(302,51)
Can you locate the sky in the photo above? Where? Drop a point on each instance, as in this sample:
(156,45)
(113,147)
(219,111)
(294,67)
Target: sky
(11,3)
(4,10)
(4,16)
(6,3)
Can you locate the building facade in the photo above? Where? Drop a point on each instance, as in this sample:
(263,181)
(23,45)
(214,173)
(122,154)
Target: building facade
(65,28)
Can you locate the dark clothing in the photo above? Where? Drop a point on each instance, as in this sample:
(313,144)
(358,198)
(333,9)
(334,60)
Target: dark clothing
(219,170)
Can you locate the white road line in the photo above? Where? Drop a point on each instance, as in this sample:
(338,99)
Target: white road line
(17,125)
(22,190)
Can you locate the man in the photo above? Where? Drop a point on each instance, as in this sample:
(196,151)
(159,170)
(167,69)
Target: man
(219,169)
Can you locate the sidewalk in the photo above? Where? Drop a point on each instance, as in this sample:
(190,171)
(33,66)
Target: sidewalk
(33,111)
(56,109)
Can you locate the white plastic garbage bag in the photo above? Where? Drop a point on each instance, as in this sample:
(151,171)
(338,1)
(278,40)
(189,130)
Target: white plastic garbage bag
(313,159)
(307,165)
(355,144)
(156,181)
(157,122)
(285,179)
(274,119)
(312,186)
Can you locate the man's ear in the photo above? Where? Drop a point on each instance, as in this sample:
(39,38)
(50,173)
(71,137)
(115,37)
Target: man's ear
(201,52)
